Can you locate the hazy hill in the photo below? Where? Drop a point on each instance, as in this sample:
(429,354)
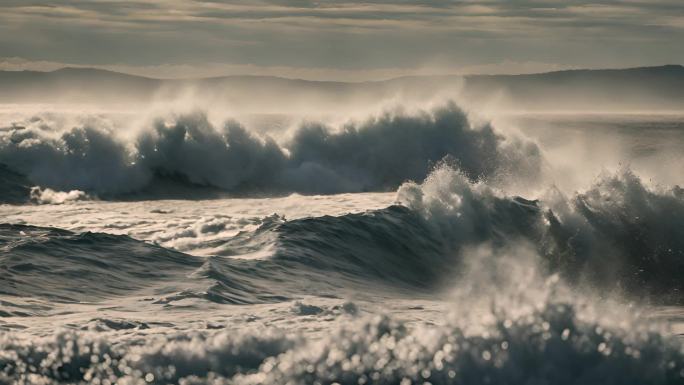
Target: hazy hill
(637,88)
(644,88)
(73,85)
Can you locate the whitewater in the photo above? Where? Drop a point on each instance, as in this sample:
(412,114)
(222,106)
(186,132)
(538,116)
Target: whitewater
(411,244)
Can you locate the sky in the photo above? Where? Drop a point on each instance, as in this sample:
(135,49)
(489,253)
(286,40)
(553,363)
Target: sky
(339,40)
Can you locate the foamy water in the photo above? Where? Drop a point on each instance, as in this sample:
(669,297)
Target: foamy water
(500,264)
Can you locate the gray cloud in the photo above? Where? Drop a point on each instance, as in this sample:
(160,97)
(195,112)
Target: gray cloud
(344,35)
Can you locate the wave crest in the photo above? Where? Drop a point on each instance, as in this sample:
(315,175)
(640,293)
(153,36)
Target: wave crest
(97,156)
(619,234)
(621,230)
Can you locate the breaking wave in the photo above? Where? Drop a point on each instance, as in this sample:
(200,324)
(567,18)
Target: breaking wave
(516,270)
(95,155)
(618,236)
(49,196)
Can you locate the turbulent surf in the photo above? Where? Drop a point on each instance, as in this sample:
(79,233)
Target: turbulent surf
(442,250)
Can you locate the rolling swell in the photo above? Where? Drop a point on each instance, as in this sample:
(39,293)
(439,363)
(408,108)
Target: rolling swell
(59,266)
(97,156)
(62,266)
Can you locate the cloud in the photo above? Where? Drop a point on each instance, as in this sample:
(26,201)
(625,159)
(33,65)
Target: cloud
(342,34)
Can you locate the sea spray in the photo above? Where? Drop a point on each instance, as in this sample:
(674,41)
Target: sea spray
(108,158)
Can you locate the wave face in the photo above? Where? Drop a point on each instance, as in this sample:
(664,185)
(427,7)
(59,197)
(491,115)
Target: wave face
(395,245)
(95,155)
(14,188)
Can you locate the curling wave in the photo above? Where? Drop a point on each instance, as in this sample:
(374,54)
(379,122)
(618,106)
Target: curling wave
(96,156)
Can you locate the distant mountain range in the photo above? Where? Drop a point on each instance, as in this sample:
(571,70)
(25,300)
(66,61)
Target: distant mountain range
(645,88)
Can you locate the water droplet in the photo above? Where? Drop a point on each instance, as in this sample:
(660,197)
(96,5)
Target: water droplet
(565,335)
(601,347)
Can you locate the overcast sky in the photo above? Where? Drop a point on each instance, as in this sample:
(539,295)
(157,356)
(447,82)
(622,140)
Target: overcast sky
(339,39)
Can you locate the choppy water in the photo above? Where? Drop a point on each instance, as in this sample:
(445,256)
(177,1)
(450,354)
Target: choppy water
(500,265)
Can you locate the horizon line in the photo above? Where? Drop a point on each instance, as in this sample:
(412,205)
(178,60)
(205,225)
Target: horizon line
(247,75)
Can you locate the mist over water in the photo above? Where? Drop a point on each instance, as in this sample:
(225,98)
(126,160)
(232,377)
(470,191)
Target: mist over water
(429,244)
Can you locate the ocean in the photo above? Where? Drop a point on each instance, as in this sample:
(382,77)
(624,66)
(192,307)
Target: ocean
(411,246)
